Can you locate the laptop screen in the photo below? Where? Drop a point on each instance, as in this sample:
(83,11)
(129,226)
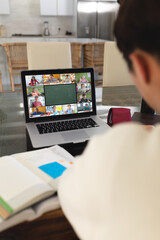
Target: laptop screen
(58,93)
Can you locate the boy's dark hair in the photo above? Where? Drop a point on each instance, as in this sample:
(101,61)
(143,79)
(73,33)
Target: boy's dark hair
(138,27)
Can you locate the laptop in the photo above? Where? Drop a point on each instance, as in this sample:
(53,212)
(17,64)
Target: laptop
(60,106)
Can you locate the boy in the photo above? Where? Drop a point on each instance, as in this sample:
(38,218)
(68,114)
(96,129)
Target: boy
(113,190)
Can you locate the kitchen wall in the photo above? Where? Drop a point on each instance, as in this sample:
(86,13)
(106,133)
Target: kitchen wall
(25,18)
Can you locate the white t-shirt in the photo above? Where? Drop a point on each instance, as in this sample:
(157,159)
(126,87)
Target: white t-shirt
(112,192)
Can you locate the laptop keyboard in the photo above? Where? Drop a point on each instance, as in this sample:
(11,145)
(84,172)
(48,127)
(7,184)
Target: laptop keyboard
(66,125)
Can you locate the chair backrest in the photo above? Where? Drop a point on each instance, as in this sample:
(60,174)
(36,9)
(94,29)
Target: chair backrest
(115,71)
(17,55)
(17,60)
(118,87)
(49,55)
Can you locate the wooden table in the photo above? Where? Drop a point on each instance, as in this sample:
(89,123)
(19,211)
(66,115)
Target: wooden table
(51,226)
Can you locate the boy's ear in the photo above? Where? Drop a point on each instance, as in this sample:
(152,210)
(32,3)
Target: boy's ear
(140,65)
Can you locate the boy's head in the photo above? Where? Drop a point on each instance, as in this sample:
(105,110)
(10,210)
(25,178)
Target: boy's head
(137,31)
(138,27)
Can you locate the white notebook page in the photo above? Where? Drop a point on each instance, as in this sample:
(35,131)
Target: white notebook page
(15,180)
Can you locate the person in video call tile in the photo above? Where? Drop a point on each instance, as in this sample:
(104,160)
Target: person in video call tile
(35,92)
(36,103)
(55,112)
(83,79)
(69,109)
(86,107)
(52,79)
(37,112)
(33,81)
(67,79)
(84,99)
(83,88)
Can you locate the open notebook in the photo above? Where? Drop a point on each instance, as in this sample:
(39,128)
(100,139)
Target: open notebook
(27,178)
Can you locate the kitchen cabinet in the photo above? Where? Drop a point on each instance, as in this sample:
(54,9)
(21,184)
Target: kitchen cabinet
(5,8)
(56,7)
(65,7)
(48,7)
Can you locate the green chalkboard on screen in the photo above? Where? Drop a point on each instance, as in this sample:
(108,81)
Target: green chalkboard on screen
(60,94)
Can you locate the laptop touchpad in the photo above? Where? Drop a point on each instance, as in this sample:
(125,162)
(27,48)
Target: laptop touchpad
(75,135)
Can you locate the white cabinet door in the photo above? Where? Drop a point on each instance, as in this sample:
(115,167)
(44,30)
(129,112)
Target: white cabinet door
(48,7)
(65,7)
(4,7)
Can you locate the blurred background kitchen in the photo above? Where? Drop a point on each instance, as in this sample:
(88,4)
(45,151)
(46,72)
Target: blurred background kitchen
(85,19)
(77,21)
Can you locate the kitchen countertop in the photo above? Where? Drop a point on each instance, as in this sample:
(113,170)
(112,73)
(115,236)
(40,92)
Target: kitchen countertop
(37,35)
(55,38)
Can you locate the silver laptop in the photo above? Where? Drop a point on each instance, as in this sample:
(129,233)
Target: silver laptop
(60,106)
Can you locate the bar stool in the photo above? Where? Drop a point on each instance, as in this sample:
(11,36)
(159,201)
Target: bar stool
(76,51)
(17,60)
(93,56)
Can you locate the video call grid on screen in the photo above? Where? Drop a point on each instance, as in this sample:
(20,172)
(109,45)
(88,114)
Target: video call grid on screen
(58,94)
